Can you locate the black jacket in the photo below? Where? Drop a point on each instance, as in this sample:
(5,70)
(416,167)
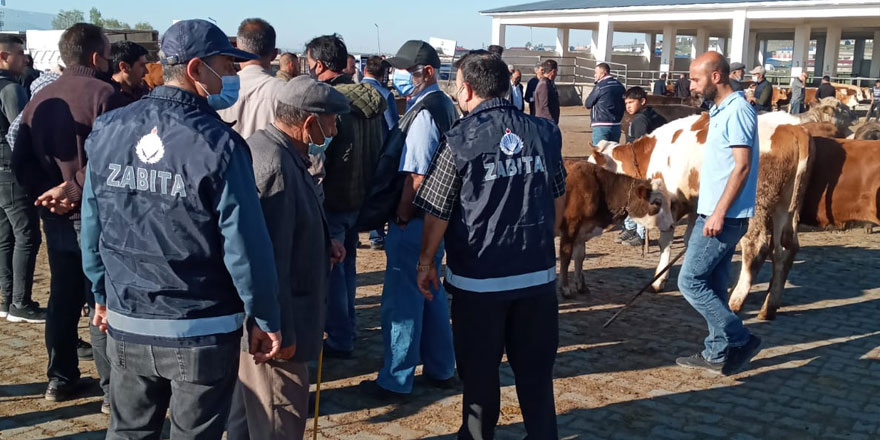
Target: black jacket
(683,88)
(825,90)
(530,94)
(659,87)
(642,123)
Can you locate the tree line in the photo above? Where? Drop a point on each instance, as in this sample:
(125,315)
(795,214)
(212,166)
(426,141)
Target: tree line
(67,18)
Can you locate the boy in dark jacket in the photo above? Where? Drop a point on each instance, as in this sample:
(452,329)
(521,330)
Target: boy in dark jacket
(644,121)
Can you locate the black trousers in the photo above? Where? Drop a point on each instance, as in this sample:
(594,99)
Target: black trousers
(19,240)
(68,290)
(483,327)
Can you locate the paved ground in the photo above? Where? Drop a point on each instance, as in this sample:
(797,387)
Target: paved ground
(817,378)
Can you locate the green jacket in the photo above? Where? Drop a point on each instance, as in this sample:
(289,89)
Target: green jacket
(351,157)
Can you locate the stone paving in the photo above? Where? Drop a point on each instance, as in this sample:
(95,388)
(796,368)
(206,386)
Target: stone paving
(817,377)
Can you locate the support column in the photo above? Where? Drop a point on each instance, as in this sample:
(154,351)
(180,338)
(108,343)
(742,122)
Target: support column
(605,39)
(650,43)
(700,43)
(875,56)
(667,54)
(751,51)
(832,51)
(739,38)
(498,32)
(800,50)
(762,52)
(858,57)
(562,46)
(818,63)
(722,46)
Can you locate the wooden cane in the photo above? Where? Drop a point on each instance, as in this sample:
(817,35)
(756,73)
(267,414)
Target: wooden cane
(318,395)
(659,274)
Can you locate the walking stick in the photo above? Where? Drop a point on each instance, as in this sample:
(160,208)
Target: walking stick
(628,303)
(318,395)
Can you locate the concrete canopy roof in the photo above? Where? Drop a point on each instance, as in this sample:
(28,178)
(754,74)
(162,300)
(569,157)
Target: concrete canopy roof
(558,5)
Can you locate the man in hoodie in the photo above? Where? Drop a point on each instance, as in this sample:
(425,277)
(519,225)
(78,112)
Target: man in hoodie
(644,121)
(606,105)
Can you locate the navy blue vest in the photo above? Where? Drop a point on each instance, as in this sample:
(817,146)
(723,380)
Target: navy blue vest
(760,89)
(500,238)
(155,168)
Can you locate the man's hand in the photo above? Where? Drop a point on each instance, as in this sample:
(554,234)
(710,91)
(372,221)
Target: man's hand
(337,252)
(264,346)
(56,200)
(100,319)
(427,279)
(286,353)
(714,225)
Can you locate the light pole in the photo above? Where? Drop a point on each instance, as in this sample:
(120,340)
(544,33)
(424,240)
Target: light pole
(378,45)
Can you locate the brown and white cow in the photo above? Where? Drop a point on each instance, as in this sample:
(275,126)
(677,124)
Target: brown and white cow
(674,153)
(596,199)
(869,131)
(846,186)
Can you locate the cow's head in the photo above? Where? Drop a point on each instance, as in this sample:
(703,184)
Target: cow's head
(648,205)
(602,155)
(831,110)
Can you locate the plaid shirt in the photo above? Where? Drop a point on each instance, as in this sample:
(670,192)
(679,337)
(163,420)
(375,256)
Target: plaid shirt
(440,190)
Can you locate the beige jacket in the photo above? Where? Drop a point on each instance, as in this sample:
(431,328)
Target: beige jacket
(255,108)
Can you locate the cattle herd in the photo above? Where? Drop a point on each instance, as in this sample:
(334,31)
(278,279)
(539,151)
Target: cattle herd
(809,173)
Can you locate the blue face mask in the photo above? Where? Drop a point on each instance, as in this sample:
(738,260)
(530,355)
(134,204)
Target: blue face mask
(228,91)
(403,82)
(319,149)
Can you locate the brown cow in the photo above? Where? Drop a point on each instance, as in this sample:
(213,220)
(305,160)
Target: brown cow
(596,199)
(844,186)
(153,78)
(780,98)
(674,153)
(869,131)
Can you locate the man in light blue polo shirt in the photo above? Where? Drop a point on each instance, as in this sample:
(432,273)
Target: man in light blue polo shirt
(728,183)
(413,327)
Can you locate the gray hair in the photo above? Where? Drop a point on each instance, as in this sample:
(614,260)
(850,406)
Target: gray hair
(256,36)
(290,115)
(174,73)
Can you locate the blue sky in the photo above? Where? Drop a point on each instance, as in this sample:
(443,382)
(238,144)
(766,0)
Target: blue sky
(297,21)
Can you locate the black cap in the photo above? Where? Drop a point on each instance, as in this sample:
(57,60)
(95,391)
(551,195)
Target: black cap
(415,53)
(188,39)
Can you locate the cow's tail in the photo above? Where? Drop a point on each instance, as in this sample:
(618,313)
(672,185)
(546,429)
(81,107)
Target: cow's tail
(805,147)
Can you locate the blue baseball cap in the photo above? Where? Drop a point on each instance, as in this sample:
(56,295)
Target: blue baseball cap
(188,39)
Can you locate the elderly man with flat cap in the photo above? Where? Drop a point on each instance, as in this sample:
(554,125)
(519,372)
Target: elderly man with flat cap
(175,244)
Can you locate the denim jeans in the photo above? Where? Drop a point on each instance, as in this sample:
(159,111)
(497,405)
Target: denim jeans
(607,133)
(873,111)
(413,328)
(19,241)
(340,325)
(527,328)
(196,382)
(796,108)
(630,224)
(377,236)
(703,282)
(68,290)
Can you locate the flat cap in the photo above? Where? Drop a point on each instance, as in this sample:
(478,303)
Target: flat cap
(737,66)
(313,96)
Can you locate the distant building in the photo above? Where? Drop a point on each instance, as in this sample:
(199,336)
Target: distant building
(16,20)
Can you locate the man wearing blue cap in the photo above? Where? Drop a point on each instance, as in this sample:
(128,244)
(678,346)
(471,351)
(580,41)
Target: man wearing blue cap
(176,246)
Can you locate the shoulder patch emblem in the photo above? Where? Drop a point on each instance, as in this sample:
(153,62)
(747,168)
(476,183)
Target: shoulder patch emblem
(150,148)
(511,143)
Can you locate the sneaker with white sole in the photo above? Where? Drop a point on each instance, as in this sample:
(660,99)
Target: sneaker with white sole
(30,313)
(4,309)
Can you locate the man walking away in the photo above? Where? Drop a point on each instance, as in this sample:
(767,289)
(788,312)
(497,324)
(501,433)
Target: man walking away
(375,74)
(351,158)
(414,328)
(644,121)
(516,89)
(175,244)
(606,105)
(129,65)
(546,97)
(874,111)
(529,95)
(19,226)
(737,73)
(255,108)
(49,160)
(288,66)
(271,399)
(796,104)
(487,217)
(660,86)
(727,201)
(683,87)
(761,101)
(826,90)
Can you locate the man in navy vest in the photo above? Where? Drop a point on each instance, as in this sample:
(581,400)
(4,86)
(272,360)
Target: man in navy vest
(496,190)
(175,243)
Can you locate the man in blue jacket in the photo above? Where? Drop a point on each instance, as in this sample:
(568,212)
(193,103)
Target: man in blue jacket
(606,105)
(175,244)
